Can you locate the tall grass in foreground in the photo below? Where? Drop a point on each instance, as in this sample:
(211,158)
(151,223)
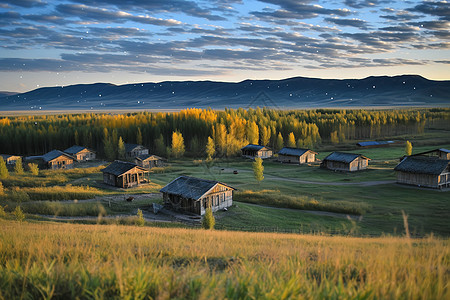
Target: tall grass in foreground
(63,261)
(277,199)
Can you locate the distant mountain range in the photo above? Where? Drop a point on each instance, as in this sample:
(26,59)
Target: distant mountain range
(297,92)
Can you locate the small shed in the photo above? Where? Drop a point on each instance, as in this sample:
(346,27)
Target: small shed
(424,171)
(296,155)
(124,174)
(149,161)
(341,161)
(195,195)
(439,153)
(135,150)
(55,159)
(10,159)
(253,151)
(81,153)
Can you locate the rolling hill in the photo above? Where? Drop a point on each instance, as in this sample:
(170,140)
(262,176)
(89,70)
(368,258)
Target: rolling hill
(297,92)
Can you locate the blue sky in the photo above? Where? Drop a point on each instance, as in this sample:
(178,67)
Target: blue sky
(54,43)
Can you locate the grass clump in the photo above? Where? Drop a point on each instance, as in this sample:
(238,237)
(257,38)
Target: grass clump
(53,208)
(277,199)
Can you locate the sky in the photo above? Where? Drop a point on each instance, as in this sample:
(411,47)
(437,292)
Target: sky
(57,43)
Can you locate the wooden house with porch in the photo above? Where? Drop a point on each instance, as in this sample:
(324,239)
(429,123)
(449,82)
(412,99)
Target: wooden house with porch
(124,174)
(424,171)
(253,151)
(149,161)
(10,159)
(195,195)
(341,161)
(439,153)
(296,155)
(135,150)
(81,153)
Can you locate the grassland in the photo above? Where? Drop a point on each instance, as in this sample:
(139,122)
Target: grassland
(66,261)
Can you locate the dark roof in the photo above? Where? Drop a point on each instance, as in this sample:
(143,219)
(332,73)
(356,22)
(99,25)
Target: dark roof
(120,167)
(422,165)
(253,147)
(190,187)
(343,157)
(433,151)
(374,143)
(6,156)
(54,154)
(131,147)
(294,151)
(147,156)
(75,149)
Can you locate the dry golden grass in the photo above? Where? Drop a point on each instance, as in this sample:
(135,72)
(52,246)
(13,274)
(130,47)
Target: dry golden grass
(63,261)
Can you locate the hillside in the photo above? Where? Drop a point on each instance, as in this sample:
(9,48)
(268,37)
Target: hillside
(297,92)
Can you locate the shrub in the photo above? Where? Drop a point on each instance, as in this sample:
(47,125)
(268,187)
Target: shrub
(34,169)
(18,213)
(2,211)
(208,221)
(18,167)
(140,218)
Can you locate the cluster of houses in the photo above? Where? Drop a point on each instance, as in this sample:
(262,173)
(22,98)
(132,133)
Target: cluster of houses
(194,195)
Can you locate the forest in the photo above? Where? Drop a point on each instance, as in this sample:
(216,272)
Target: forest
(229,129)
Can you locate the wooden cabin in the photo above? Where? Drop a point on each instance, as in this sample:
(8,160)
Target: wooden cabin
(424,171)
(439,153)
(340,161)
(124,174)
(149,161)
(296,155)
(81,153)
(194,195)
(10,159)
(134,150)
(253,151)
(54,160)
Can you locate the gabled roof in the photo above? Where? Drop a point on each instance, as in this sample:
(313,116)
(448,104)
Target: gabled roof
(253,147)
(131,147)
(149,156)
(6,156)
(374,143)
(294,151)
(432,151)
(190,187)
(344,157)
(55,154)
(75,149)
(422,165)
(120,167)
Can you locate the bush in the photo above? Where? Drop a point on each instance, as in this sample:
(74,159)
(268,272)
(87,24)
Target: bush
(140,218)
(34,169)
(18,213)
(208,221)
(2,211)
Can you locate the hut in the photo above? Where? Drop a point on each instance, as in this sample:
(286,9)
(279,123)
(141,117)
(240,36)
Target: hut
(135,150)
(253,151)
(194,195)
(439,153)
(424,171)
(340,161)
(10,159)
(81,153)
(149,161)
(124,174)
(296,155)
(54,160)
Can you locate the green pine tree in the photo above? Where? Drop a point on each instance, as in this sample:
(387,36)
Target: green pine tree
(4,173)
(258,169)
(18,167)
(208,221)
(121,149)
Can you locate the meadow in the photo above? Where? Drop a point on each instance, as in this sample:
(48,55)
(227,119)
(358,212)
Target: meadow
(62,261)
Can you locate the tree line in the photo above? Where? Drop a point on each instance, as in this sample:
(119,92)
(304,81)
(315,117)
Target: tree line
(200,132)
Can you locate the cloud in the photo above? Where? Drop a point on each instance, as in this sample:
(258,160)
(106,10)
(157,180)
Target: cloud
(363,3)
(187,7)
(26,3)
(434,8)
(361,24)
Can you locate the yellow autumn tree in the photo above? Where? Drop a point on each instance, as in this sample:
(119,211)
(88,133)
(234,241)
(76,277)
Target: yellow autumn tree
(291,140)
(177,144)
